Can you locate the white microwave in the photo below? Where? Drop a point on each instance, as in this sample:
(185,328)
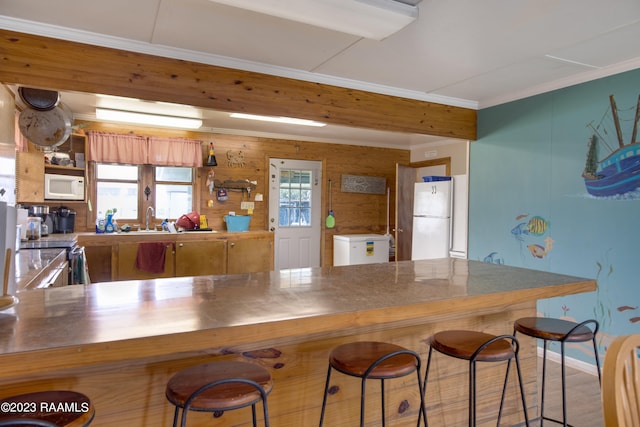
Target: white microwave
(63,187)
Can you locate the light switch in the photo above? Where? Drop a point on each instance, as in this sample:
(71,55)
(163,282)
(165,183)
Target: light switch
(247,205)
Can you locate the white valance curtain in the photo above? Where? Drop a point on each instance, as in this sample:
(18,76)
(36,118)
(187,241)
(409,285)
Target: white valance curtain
(105,147)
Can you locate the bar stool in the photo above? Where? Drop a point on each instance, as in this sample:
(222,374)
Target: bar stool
(43,408)
(219,387)
(550,329)
(478,347)
(373,360)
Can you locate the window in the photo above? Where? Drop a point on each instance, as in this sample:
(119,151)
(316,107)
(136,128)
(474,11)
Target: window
(122,187)
(295,198)
(117,188)
(173,191)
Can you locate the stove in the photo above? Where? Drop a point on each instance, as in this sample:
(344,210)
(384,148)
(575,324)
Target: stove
(47,244)
(75,255)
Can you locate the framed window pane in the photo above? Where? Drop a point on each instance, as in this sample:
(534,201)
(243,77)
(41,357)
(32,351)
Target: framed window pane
(120,195)
(117,172)
(173,200)
(174,174)
(295,198)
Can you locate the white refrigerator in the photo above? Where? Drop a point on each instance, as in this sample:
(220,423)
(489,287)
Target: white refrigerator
(431,219)
(8,241)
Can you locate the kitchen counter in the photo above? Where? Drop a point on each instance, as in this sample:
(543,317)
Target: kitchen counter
(120,342)
(57,240)
(35,266)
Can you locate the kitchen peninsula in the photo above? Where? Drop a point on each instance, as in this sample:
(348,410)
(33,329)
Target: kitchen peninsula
(119,342)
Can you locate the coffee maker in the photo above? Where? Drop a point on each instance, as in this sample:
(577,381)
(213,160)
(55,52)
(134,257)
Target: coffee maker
(63,220)
(46,222)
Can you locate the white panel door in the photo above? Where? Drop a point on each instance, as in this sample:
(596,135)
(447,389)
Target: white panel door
(295,214)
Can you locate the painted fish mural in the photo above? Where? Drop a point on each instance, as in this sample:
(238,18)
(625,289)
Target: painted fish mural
(537,226)
(493,258)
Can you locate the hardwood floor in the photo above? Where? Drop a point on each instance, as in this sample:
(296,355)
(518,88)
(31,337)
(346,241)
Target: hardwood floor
(584,407)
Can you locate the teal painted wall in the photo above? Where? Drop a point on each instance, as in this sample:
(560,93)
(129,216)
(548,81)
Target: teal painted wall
(528,204)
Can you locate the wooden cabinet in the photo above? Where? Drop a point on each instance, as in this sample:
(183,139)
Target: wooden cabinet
(127,270)
(31,167)
(113,256)
(99,262)
(29,177)
(75,148)
(201,258)
(249,255)
(60,276)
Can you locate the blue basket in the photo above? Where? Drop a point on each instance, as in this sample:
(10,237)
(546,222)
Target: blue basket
(436,178)
(237,222)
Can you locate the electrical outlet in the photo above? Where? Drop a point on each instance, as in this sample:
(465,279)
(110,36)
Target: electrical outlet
(246,205)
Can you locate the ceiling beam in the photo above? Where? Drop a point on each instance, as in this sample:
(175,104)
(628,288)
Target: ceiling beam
(56,64)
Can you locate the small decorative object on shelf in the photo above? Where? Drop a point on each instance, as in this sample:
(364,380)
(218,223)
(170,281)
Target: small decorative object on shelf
(211,158)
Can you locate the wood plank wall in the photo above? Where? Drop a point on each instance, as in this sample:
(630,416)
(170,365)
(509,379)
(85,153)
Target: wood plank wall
(354,212)
(63,65)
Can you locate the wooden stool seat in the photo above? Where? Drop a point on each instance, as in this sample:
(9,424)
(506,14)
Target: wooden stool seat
(465,344)
(562,331)
(476,347)
(553,329)
(355,359)
(219,386)
(373,360)
(62,408)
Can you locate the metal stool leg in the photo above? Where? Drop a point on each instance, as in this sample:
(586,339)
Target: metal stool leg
(424,389)
(472,393)
(544,377)
(423,411)
(175,416)
(595,352)
(524,399)
(564,386)
(364,382)
(324,400)
(384,417)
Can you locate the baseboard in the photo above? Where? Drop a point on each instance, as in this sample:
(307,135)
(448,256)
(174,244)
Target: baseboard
(570,362)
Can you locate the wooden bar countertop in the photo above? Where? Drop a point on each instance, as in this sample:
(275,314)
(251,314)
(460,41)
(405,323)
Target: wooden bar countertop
(120,342)
(106,322)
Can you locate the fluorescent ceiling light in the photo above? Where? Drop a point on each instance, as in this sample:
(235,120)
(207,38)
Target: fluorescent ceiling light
(147,119)
(286,120)
(372,19)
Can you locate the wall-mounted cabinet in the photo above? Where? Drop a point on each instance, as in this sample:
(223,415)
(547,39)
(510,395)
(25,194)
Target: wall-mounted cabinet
(66,159)
(29,177)
(69,157)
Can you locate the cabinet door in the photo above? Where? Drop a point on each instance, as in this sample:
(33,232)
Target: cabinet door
(30,177)
(201,258)
(127,270)
(250,255)
(99,263)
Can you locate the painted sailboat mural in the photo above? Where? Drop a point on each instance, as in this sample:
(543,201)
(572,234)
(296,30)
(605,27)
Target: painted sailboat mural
(619,170)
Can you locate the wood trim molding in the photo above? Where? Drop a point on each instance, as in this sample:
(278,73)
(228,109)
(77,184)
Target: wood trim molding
(56,64)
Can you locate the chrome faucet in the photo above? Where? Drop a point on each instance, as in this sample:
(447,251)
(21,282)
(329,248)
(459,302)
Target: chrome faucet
(147,217)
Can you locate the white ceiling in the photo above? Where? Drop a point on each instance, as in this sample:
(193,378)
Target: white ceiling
(467,53)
